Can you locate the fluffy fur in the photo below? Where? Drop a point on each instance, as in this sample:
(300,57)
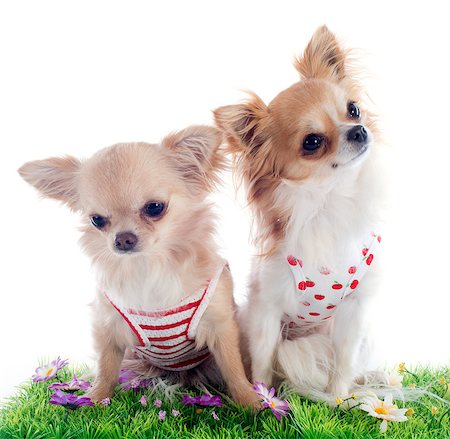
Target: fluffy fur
(175,254)
(316,204)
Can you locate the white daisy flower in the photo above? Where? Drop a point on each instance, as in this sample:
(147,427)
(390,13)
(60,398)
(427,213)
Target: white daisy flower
(384,410)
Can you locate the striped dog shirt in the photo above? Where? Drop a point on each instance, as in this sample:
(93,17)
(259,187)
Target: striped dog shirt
(167,336)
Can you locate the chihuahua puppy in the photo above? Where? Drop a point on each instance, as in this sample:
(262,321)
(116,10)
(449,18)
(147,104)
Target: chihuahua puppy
(309,164)
(148,228)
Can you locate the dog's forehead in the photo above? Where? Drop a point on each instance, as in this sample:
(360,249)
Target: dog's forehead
(123,176)
(311,105)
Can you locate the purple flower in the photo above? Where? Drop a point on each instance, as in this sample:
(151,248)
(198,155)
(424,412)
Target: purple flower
(71,386)
(278,406)
(59,364)
(135,384)
(130,380)
(189,400)
(175,413)
(105,401)
(69,400)
(44,373)
(49,371)
(211,400)
(162,415)
(126,375)
(213,414)
(204,400)
(263,392)
(158,403)
(143,400)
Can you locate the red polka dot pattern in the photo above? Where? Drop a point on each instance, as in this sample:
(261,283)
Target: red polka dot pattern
(321,289)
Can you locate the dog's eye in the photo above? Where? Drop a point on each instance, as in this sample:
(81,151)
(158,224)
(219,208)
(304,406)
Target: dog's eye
(353,111)
(312,142)
(153,209)
(99,221)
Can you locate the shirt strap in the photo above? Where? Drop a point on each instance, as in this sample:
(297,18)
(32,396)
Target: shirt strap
(204,301)
(365,263)
(130,321)
(296,269)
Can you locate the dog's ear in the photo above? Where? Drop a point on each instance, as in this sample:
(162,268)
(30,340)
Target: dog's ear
(54,178)
(196,155)
(323,57)
(243,124)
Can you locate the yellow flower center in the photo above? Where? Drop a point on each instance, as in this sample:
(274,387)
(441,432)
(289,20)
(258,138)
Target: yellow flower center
(49,372)
(272,404)
(382,410)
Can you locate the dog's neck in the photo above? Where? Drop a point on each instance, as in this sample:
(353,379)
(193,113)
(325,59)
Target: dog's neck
(324,218)
(149,282)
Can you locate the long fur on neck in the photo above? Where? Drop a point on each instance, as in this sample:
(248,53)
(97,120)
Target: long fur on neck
(149,280)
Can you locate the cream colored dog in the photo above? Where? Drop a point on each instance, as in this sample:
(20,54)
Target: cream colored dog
(148,228)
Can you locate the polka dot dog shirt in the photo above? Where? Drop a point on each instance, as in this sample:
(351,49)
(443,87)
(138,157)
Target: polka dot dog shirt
(322,290)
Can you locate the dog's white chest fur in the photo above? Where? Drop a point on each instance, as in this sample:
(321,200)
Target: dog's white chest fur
(330,235)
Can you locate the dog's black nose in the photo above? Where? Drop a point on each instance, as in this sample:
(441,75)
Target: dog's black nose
(357,134)
(125,241)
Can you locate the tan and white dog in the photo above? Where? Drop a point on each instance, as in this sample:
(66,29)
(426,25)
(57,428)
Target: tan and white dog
(148,228)
(309,164)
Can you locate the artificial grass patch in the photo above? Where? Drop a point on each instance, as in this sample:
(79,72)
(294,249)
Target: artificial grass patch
(29,415)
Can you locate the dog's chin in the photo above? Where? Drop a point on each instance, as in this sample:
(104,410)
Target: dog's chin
(361,155)
(127,254)
(354,161)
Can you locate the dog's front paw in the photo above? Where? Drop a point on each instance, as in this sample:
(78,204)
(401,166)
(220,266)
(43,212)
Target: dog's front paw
(97,394)
(248,398)
(339,389)
(263,377)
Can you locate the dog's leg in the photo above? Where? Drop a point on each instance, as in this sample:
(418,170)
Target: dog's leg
(111,352)
(219,330)
(348,331)
(227,355)
(262,320)
(108,373)
(264,335)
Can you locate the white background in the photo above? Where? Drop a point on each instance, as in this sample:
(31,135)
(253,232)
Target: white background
(78,76)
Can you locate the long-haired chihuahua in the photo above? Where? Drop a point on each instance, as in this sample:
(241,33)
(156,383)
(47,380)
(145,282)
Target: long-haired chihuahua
(148,227)
(309,164)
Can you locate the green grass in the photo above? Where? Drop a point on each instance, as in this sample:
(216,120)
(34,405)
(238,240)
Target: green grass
(29,415)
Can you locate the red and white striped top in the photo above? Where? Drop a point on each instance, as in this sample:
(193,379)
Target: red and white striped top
(167,336)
